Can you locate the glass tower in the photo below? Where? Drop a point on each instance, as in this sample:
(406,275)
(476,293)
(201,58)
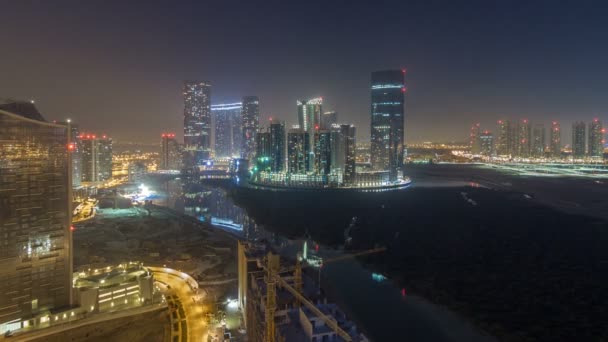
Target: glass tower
(197,122)
(556,139)
(227,129)
(596,138)
(35,200)
(309,119)
(387,120)
(250,121)
(578,139)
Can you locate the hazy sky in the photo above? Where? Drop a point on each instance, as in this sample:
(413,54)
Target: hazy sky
(117,67)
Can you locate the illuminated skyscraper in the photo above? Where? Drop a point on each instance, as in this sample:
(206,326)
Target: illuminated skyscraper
(277,146)
(538,141)
(250,121)
(298,151)
(486,144)
(35,200)
(387,120)
(474,142)
(322,152)
(349,132)
(96,157)
(263,151)
(328,119)
(596,138)
(228,133)
(578,139)
(170,153)
(523,143)
(309,119)
(508,139)
(197,122)
(556,139)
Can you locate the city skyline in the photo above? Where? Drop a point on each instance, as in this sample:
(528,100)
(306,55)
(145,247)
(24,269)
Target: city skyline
(476,71)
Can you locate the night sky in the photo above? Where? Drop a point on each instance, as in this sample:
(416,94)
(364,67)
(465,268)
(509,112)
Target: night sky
(117,67)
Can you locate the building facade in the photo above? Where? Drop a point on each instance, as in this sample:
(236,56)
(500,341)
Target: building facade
(309,120)
(474,142)
(96,158)
(250,121)
(298,151)
(197,122)
(556,139)
(596,139)
(35,200)
(387,120)
(578,139)
(486,144)
(228,133)
(322,152)
(170,153)
(277,146)
(538,141)
(523,142)
(328,119)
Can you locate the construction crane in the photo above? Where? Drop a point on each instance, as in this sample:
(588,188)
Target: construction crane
(272,278)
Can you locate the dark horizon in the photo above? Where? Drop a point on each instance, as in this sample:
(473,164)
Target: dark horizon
(118,68)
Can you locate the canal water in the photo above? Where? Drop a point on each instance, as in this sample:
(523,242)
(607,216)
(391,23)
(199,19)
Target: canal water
(382,310)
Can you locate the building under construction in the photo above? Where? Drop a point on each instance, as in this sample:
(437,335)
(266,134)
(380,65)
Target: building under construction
(280,304)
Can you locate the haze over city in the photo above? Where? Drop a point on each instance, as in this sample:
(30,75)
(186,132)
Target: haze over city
(118,67)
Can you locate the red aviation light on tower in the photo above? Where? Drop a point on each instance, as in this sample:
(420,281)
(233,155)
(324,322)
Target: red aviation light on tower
(404,89)
(317,127)
(403,71)
(596,120)
(71,147)
(163,135)
(104,136)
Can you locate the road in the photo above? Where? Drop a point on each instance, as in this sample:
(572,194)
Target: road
(98,318)
(195,317)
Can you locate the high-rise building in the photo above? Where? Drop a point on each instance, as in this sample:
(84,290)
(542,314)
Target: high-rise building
(556,139)
(474,142)
(538,140)
(508,139)
(578,139)
(309,119)
(349,132)
(250,121)
(228,133)
(197,122)
(76,154)
(524,139)
(486,143)
(35,200)
(263,151)
(277,146)
(387,120)
(298,151)
(328,119)
(96,158)
(322,152)
(170,153)
(596,138)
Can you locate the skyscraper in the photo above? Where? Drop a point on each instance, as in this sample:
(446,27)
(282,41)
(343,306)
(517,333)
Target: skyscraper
(250,120)
(556,139)
(35,200)
(227,129)
(170,153)
(508,139)
(263,151)
(322,152)
(328,119)
(298,149)
(486,144)
(578,139)
(387,120)
(309,118)
(538,141)
(197,122)
(474,142)
(524,139)
(277,146)
(96,158)
(596,138)
(350,132)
